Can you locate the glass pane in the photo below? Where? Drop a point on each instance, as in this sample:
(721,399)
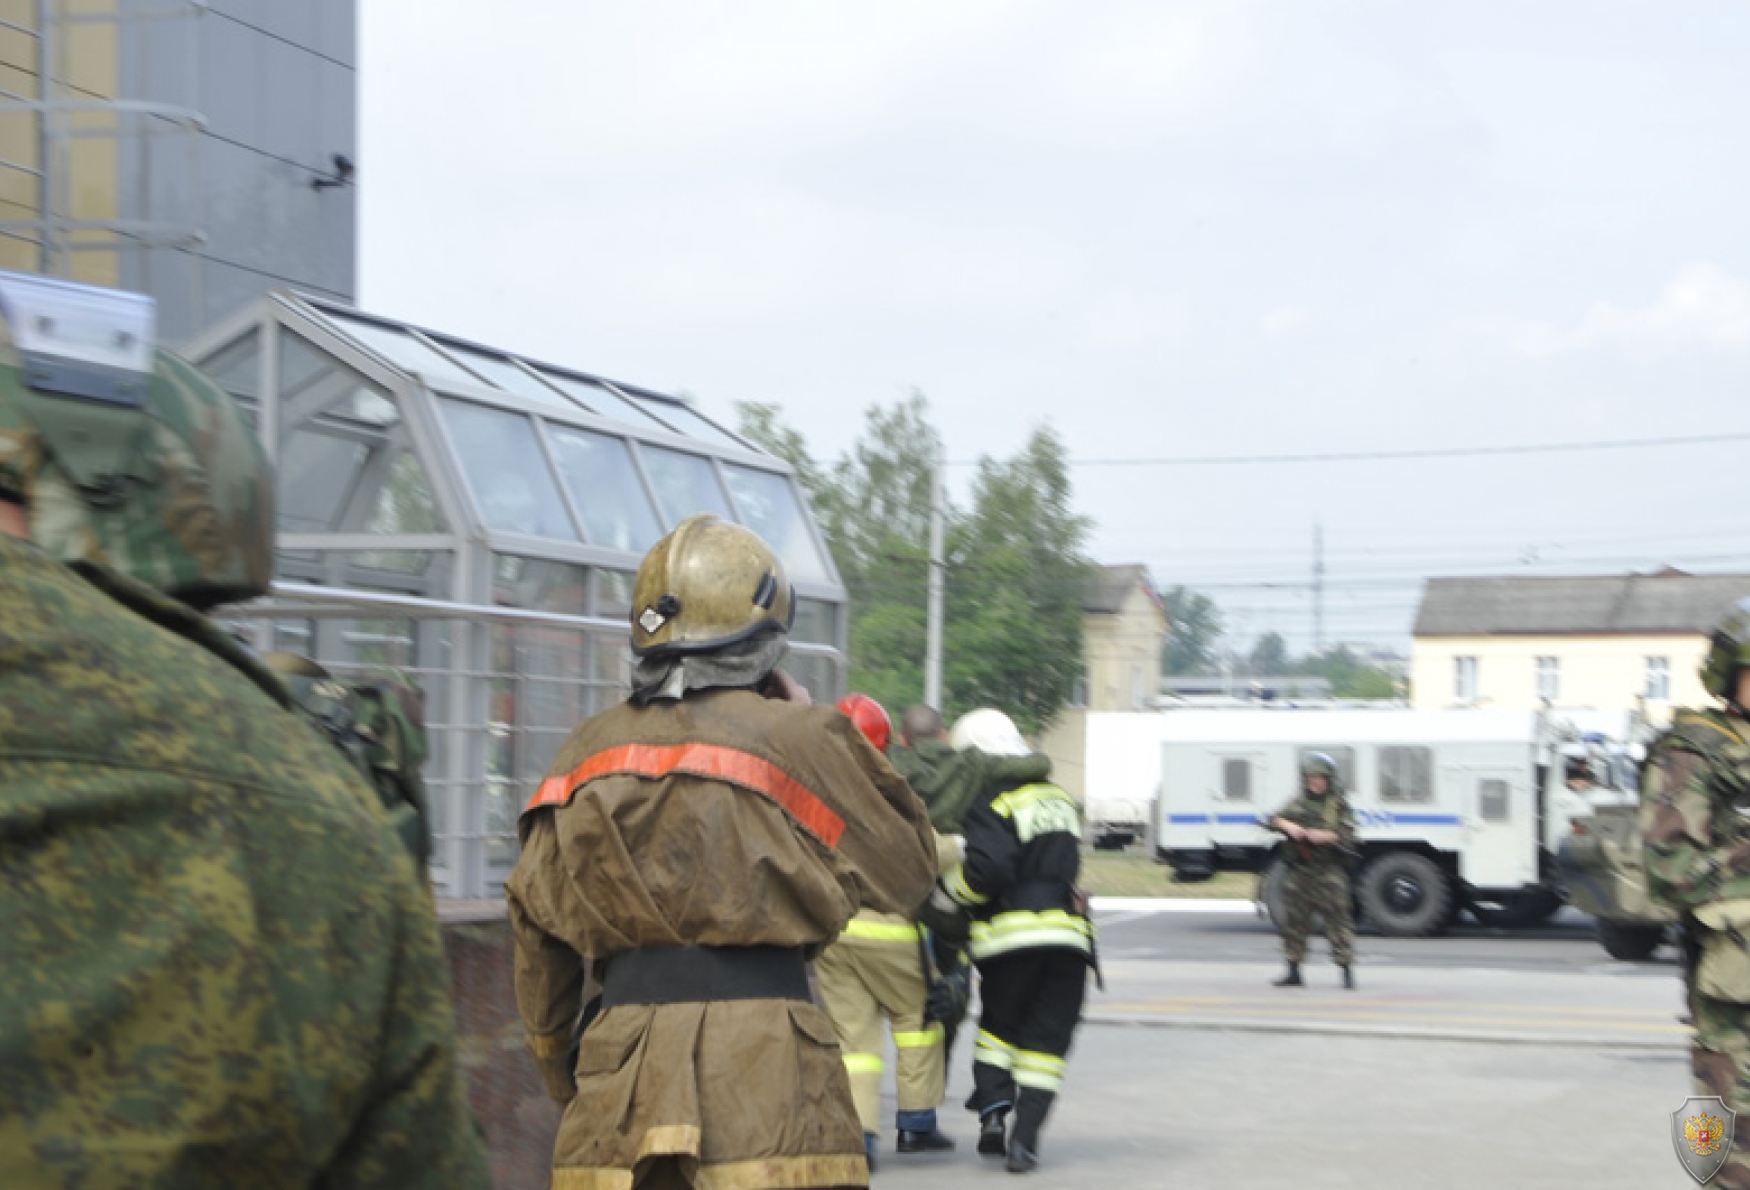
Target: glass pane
(613,593)
(538,585)
(1236,780)
(613,672)
(404,351)
(769,507)
(316,472)
(1492,800)
(504,466)
(391,561)
(819,674)
(235,367)
(815,622)
(509,377)
(604,401)
(405,503)
(684,419)
(684,484)
(1406,774)
(608,494)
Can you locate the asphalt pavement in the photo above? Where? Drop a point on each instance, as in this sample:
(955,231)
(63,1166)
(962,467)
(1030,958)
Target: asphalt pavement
(1484,1058)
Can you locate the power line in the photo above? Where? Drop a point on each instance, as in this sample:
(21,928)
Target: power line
(1372,456)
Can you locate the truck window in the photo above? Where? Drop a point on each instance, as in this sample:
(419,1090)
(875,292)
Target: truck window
(1492,801)
(1236,779)
(1345,759)
(1406,774)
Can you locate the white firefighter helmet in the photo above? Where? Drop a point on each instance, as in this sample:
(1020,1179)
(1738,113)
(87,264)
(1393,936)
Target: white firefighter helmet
(990,731)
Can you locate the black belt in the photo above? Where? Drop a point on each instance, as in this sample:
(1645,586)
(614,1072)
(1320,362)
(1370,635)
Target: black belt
(691,974)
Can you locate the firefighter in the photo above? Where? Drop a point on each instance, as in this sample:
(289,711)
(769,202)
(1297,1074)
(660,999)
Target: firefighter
(695,846)
(1030,937)
(880,967)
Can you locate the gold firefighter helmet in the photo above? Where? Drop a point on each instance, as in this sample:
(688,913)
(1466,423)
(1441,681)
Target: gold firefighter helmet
(706,585)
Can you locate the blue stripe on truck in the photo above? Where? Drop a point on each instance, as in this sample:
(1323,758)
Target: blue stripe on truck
(1365,817)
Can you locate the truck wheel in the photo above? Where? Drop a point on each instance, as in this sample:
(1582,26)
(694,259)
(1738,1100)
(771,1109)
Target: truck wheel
(1630,943)
(1405,895)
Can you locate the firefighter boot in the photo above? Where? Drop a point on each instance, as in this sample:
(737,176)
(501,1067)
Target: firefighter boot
(993,1140)
(1349,977)
(1031,1106)
(1291,980)
(918,1133)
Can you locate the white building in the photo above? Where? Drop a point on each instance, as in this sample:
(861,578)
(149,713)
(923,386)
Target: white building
(1597,642)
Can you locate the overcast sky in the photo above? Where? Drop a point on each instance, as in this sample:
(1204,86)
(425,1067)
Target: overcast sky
(1165,229)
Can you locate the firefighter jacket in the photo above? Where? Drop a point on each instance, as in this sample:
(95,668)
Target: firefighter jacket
(721,820)
(1023,854)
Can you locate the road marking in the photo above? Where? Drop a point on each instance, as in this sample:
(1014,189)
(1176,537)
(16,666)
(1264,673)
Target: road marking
(1414,1020)
(1147,905)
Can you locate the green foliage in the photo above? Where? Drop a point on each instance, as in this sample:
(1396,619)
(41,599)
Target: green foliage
(1194,630)
(1269,656)
(1016,573)
(1350,677)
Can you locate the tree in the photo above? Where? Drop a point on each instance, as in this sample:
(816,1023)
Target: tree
(1016,572)
(1016,582)
(1194,630)
(1350,677)
(1269,656)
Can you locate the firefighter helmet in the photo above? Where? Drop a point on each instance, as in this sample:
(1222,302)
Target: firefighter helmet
(990,731)
(1727,652)
(870,717)
(706,585)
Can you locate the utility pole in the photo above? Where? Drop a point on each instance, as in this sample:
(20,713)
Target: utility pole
(1318,589)
(933,610)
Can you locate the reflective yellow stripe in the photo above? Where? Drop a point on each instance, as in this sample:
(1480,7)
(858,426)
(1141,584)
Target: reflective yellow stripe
(1028,919)
(863,1064)
(1034,1060)
(920,1039)
(1039,1080)
(994,1051)
(1023,930)
(881,931)
(1006,804)
(961,891)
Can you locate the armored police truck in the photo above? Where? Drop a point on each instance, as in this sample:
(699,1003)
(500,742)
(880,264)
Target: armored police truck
(1455,809)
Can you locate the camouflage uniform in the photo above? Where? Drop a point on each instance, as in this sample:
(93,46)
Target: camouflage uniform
(216,969)
(1695,794)
(1316,882)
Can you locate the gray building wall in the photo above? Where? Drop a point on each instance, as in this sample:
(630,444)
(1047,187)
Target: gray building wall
(277,83)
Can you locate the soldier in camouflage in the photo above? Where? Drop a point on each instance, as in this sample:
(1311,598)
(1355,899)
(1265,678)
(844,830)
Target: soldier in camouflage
(1695,797)
(215,967)
(1319,832)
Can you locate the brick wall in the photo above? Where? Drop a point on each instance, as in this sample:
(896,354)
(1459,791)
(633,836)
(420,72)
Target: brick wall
(503,1086)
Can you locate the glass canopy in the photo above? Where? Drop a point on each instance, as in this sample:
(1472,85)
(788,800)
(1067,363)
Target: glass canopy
(476,517)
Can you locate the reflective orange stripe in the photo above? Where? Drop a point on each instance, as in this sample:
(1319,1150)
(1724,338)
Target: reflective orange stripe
(699,760)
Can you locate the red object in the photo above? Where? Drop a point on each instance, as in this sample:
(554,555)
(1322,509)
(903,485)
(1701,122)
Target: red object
(699,760)
(870,719)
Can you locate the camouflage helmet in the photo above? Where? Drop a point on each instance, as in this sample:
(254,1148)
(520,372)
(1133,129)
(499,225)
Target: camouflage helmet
(163,480)
(1728,650)
(706,585)
(1318,764)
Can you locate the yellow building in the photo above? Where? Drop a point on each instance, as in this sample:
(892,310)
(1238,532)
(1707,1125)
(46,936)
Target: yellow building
(1124,629)
(1604,643)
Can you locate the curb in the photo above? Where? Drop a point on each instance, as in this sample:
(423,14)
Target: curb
(1675,1047)
(1172,905)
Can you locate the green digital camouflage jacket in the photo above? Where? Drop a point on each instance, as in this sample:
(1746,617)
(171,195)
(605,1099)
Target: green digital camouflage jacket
(1695,811)
(216,965)
(1330,812)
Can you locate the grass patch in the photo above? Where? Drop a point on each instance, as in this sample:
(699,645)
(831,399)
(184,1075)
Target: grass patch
(1114,874)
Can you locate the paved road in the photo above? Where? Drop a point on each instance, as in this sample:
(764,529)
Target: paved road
(1567,1070)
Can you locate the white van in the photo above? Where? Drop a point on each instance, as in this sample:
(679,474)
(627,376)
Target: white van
(1455,809)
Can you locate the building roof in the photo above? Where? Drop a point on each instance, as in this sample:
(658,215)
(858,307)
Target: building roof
(1111,585)
(1669,601)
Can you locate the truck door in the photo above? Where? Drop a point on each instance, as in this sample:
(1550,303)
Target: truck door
(1500,825)
(1239,792)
